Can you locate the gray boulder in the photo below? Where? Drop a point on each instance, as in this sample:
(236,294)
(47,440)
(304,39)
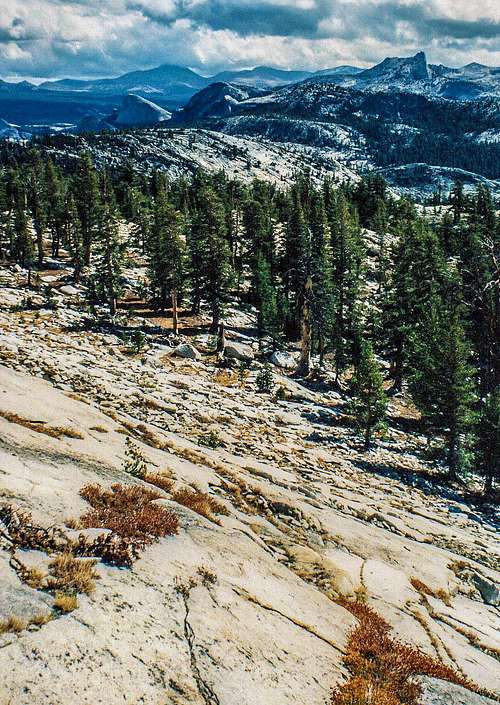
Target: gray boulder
(187,351)
(489,591)
(239,351)
(285,360)
(438,692)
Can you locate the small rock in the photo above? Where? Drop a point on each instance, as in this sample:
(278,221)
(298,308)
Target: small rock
(438,692)
(284,360)
(239,351)
(489,591)
(68,290)
(187,351)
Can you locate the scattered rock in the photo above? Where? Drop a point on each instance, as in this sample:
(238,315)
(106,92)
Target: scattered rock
(239,351)
(489,591)
(68,290)
(282,359)
(438,692)
(187,351)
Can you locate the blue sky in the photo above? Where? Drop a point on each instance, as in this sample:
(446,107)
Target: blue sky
(87,38)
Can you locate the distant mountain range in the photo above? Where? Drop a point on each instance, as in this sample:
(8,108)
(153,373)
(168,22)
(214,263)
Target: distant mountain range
(404,117)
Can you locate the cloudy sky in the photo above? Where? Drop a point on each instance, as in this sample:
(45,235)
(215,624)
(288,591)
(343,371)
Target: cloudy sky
(89,38)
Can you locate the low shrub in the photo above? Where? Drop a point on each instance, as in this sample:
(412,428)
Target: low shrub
(200,502)
(65,603)
(135,463)
(211,440)
(129,513)
(264,380)
(71,574)
(382,668)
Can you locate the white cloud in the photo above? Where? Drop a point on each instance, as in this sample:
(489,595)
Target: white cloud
(103,37)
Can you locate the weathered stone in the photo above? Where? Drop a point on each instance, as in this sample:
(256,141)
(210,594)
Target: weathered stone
(438,692)
(282,359)
(239,351)
(187,351)
(68,290)
(489,591)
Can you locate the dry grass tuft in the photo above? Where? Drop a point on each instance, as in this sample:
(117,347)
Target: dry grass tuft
(129,513)
(41,427)
(226,378)
(200,502)
(71,574)
(65,603)
(148,436)
(424,589)
(34,578)
(161,481)
(383,668)
(13,624)
(99,429)
(208,577)
(40,619)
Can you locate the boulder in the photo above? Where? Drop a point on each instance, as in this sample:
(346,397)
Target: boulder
(489,591)
(68,290)
(187,351)
(438,692)
(285,360)
(239,351)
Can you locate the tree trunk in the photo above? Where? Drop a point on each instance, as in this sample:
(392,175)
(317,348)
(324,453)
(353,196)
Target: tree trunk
(221,340)
(321,349)
(39,245)
(453,454)
(175,318)
(368,437)
(488,482)
(304,366)
(215,316)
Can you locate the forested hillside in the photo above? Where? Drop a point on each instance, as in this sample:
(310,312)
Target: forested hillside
(413,306)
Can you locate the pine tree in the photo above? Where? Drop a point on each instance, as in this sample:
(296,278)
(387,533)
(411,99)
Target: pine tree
(416,278)
(259,243)
(166,251)
(209,249)
(266,300)
(23,248)
(38,211)
(106,280)
(347,267)
(296,264)
(457,201)
(442,380)
(369,401)
(321,275)
(479,265)
(487,449)
(87,199)
(74,239)
(56,210)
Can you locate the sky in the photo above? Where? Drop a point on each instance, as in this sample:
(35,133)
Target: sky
(42,39)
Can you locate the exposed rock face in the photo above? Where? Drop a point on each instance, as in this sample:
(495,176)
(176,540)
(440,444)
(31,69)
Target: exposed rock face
(188,351)
(239,351)
(438,692)
(139,111)
(284,360)
(489,591)
(241,609)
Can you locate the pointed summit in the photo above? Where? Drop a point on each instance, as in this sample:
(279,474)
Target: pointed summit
(413,68)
